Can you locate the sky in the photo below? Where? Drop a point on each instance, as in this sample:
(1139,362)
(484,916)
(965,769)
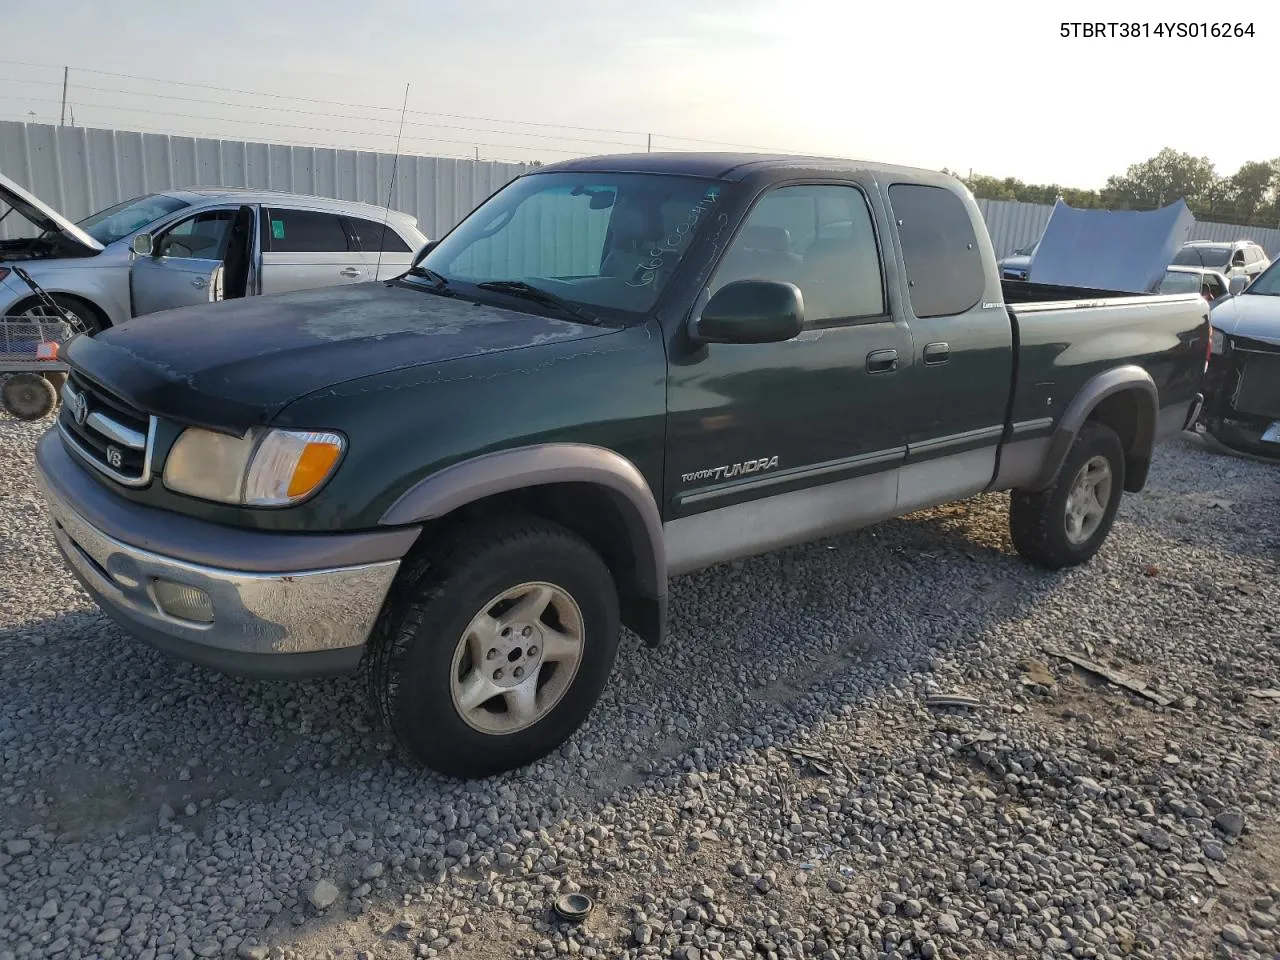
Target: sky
(988,87)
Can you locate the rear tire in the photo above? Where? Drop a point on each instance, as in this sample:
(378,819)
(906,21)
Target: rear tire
(28,396)
(494,648)
(1066,524)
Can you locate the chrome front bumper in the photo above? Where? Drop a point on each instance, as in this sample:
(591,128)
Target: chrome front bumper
(303,622)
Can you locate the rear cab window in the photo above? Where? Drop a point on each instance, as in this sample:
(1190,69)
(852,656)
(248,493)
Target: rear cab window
(303,231)
(945,274)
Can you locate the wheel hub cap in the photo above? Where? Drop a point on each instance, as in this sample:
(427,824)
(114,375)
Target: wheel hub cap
(1087,500)
(517,658)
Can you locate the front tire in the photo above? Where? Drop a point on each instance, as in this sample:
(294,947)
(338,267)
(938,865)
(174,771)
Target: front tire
(494,648)
(1066,524)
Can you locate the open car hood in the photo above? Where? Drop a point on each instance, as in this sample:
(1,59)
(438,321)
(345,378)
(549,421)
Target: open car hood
(1125,250)
(42,216)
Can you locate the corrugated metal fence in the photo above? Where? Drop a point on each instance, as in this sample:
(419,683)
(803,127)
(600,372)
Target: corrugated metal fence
(80,170)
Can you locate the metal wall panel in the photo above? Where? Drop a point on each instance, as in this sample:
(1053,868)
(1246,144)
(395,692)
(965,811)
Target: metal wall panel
(79,170)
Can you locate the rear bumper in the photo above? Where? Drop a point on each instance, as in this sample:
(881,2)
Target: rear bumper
(301,616)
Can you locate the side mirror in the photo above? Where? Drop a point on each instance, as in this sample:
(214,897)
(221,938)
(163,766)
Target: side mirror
(751,311)
(143,244)
(1237,284)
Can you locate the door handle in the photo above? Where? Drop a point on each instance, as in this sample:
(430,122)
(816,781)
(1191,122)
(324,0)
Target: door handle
(882,361)
(937,352)
(349,272)
(199,282)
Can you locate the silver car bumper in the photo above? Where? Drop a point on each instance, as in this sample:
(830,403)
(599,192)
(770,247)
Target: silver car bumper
(291,623)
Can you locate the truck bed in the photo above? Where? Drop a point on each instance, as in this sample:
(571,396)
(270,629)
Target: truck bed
(1025,291)
(1066,335)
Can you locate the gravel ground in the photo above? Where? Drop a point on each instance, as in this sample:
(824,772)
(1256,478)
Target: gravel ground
(773,784)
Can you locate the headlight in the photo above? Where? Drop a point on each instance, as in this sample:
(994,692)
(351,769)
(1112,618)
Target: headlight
(264,468)
(1217,342)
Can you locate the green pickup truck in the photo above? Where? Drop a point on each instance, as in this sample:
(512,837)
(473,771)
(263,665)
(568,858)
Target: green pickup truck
(466,481)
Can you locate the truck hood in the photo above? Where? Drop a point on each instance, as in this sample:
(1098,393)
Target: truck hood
(43,217)
(236,364)
(1251,315)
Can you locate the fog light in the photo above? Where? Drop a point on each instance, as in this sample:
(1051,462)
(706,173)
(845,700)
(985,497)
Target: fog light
(183,602)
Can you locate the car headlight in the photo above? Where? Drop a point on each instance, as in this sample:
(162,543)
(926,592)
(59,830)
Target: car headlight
(1217,342)
(264,468)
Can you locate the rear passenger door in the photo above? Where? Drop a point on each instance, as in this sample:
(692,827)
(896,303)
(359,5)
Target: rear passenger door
(304,249)
(383,252)
(962,367)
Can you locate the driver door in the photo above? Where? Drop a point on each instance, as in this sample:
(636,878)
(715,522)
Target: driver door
(186,264)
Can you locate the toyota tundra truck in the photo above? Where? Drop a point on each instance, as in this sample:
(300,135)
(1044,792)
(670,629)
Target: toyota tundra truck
(465,481)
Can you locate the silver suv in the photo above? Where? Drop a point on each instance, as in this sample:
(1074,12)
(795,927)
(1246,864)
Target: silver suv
(184,247)
(1233,258)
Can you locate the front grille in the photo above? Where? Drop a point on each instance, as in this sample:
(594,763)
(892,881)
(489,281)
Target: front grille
(1259,390)
(106,432)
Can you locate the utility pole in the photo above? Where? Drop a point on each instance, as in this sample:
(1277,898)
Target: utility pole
(65,71)
(477,153)
(649,148)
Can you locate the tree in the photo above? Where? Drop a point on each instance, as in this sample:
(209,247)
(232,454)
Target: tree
(1254,186)
(1165,178)
(1249,197)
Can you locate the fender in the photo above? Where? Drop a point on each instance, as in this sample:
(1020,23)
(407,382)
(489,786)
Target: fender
(1129,377)
(519,468)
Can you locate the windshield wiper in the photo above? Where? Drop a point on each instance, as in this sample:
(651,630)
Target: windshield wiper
(518,288)
(438,280)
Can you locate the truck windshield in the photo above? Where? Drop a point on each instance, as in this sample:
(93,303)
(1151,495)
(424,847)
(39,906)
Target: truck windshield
(607,241)
(109,225)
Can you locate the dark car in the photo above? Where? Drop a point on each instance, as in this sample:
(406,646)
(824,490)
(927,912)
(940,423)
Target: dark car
(1242,389)
(615,371)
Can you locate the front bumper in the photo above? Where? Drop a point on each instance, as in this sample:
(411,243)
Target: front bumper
(282,605)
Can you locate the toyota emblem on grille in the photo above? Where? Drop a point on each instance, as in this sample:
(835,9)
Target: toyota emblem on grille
(78,406)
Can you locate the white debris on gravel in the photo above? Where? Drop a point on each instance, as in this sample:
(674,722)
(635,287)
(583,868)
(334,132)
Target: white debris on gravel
(769,785)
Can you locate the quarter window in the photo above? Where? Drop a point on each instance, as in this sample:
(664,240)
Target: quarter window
(944,266)
(304,231)
(819,237)
(202,237)
(374,236)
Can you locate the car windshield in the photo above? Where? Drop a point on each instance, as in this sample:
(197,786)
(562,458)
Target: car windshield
(608,242)
(1179,281)
(1267,283)
(1203,256)
(109,225)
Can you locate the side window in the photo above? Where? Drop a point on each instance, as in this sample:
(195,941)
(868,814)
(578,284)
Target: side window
(373,236)
(819,237)
(944,268)
(1237,257)
(201,237)
(304,231)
